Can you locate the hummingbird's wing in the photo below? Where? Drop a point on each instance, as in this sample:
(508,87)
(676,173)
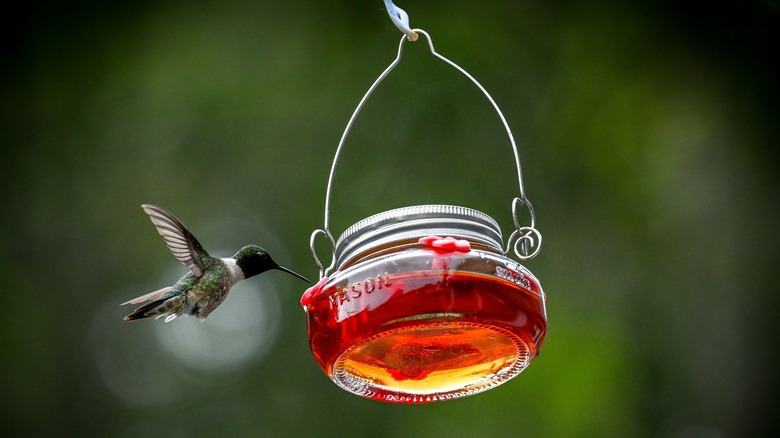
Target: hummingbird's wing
(148,297)
(179,240)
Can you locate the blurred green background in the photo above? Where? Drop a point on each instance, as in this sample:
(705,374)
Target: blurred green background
(647,133)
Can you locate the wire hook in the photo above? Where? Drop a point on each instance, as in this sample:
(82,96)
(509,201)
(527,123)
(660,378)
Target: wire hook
(401,20)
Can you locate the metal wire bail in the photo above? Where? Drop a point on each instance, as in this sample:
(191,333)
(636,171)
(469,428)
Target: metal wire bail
(525,241)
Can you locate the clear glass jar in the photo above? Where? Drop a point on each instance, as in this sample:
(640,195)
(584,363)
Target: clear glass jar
(424,306)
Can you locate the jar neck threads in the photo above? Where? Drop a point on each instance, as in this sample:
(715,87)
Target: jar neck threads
(405,226)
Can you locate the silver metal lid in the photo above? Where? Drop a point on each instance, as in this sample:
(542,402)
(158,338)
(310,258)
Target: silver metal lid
(408,224)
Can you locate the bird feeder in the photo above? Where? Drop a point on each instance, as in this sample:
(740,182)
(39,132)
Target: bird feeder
(423,303)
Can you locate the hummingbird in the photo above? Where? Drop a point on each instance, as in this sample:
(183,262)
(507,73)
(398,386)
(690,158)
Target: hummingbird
(209,280)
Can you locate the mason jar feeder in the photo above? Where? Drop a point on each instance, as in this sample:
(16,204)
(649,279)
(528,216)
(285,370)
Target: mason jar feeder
(423,303)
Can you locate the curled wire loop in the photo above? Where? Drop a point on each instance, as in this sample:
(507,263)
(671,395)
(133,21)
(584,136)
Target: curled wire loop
(527,237)
(312,240)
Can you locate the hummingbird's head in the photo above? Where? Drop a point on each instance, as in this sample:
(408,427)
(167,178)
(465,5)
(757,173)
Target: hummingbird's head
(254,260)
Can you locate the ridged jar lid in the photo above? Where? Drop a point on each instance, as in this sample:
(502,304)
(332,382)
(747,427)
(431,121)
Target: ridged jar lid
(408,224)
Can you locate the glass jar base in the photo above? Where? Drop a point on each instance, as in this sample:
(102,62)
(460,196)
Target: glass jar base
(429,362)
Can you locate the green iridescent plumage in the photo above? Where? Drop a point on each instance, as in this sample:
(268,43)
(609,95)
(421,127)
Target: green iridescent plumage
(210,279)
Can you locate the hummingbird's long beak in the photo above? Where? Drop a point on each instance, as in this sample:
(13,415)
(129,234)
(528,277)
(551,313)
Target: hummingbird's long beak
(290,271)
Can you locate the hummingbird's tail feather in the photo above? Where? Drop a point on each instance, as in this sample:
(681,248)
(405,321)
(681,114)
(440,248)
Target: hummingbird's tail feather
(148,297)
(169,307)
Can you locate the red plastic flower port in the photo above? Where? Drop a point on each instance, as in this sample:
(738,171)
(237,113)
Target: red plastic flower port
(310,292)
(445,244)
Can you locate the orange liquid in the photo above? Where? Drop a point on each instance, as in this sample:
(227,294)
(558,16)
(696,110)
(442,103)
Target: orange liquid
(424,336)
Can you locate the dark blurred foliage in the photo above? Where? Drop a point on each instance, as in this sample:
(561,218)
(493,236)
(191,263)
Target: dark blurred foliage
(648,134)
